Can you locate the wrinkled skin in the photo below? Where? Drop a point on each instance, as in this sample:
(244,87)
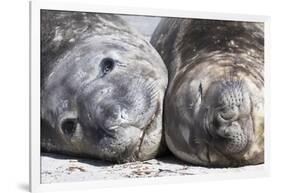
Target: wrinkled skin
(214,102)
(102,88)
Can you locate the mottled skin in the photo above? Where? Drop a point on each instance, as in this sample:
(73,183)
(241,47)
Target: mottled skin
(102,88)
(213,114)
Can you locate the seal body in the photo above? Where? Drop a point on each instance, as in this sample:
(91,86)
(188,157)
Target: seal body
(102,88)
(214,103)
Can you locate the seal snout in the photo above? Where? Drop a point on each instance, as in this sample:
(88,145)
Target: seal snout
(117,103)
(115,116)
(231,126)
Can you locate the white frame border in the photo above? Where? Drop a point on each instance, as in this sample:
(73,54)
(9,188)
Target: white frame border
(34,81)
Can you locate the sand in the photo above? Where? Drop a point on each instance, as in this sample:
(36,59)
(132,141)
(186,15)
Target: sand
(56,168)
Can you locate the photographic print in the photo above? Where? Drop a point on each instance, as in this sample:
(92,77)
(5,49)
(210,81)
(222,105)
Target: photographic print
(127,96)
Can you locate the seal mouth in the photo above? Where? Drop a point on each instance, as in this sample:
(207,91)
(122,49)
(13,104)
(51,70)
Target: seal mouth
(113,130)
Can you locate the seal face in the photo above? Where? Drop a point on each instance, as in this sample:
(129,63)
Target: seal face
(214,101)
(102,88)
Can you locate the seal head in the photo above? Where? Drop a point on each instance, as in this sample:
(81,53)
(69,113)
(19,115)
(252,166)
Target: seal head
(214,101)
(102,90)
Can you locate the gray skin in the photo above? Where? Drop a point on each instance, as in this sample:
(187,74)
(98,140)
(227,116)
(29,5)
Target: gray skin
(213,109)
(102,88)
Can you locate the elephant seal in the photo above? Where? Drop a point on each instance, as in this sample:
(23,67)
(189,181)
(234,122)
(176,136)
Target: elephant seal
(213,109)
(102,88)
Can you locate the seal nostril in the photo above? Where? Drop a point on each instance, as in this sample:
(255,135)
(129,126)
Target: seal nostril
(227,117)
(123,115)
(68,126)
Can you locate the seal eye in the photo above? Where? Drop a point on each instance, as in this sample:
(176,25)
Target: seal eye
(68,126)
(107,65)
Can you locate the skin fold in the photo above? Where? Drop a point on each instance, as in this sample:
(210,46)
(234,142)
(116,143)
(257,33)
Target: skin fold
(102,88)
(214,101)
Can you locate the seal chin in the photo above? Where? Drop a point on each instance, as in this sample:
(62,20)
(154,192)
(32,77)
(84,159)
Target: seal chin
(120,144)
